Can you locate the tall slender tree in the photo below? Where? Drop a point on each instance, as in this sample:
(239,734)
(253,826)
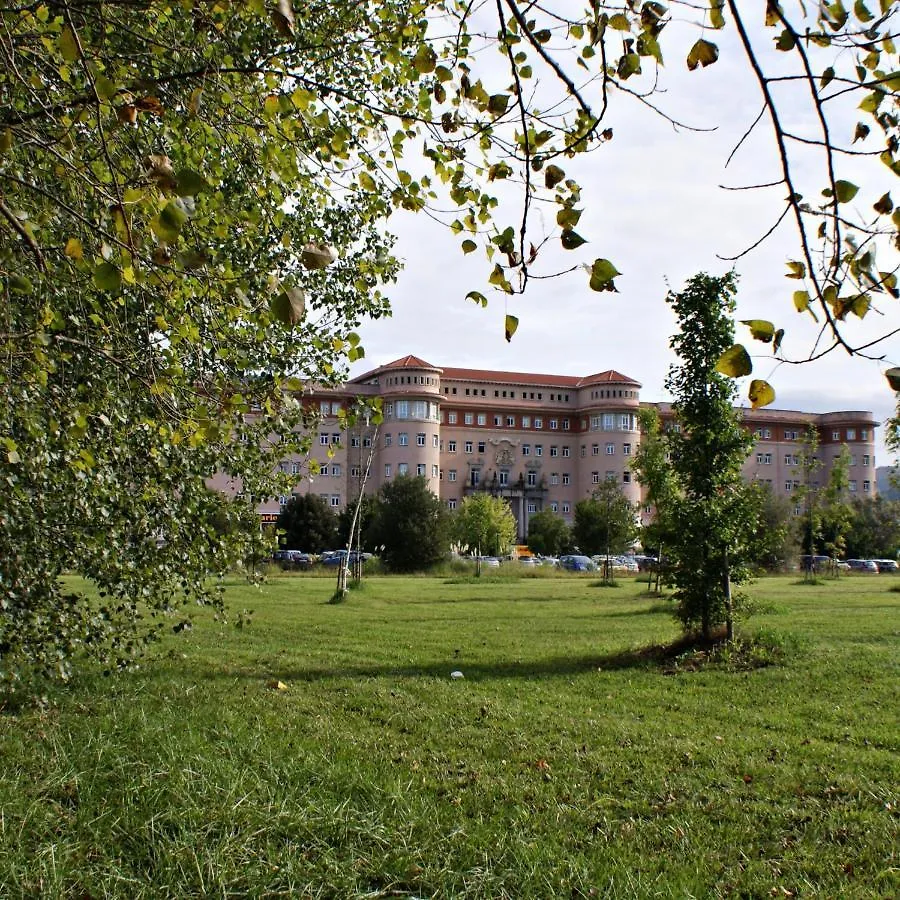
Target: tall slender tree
(711,514)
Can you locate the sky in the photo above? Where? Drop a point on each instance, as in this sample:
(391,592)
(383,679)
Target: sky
(655,207)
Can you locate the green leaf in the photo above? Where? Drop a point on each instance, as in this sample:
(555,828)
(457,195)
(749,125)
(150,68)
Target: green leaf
(68,46)
(553,175)
(777,339)
(845,190)
(862,11)
(893,378)
(19,284)
(786,41)
(289,305)
(760,393)
(511,323)
(168,224)
(760,329)
(425,59)
(477,297)
(567,218)
(469,246)
(190,183)
(498,104)
(797,270)
(498,279)
(571,240)
(827,77)
(735,362)
(106,89)
(884,204)
(602,274)
(620,22)
(704,53)
(107,277)
(629,64)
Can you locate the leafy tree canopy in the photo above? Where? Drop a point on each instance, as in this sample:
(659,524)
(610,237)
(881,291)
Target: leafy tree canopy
(308,523)
(548,533)
(411,525)
(484,524)
(605,521)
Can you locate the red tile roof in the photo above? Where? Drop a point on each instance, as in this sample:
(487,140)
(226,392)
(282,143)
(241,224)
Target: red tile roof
(570,381)
(406,362)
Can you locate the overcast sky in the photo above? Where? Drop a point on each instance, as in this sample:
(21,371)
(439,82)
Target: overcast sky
(654,206)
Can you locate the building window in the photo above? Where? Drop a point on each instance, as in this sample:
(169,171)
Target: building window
(482,418)
(481,446)
(596,422)
(565,477)
(336,470)
(354,441)
(451,504)
(538,449)
(468,447)
(565,507)
(335,499)
(504,477)
(554,506)
(595,478)
(863,434)
(767,432)
(451,475)
(451,418)
(565,451)
(787,486)
(403,439)
(468,418)
(510,421)
(851,434)
(403,409)
(526,421)
(583,451)
(420,439)
(609,421)
(435,441)
(852,486)
(538,422)
(526,449)
(835,435)
(355,471)
(531,478)
(554,450)
(610,475)
(434,470)
(790,435)
(420,469)
(595,449)
(475,477)
(865,459)
(554,478)
(867,486)
(295,468)
(565,424)
(451,446)
(626,449)
(402,469)
(387,470)
(498,420)
(610,449)
(367,442)
(323,440)
(626,478)
(532,507)
(554,424)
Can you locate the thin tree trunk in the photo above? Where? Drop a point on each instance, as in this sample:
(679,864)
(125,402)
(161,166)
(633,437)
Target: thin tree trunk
(729,603)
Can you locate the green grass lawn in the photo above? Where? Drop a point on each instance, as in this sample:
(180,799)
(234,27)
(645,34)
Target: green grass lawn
(562,765)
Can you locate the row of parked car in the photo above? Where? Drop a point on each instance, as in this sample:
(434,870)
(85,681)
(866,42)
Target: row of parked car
(296,559)
(826,564)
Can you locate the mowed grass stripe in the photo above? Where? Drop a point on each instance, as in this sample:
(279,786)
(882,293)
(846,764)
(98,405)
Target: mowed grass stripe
(562,763)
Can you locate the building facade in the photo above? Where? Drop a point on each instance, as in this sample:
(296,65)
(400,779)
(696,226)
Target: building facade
(539,441)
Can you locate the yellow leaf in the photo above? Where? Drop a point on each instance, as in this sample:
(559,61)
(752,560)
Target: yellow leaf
(74,249)
(761,393)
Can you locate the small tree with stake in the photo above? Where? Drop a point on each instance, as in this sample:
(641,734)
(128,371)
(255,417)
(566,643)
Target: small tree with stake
(712,513)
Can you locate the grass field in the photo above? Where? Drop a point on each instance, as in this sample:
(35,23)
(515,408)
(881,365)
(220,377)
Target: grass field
(325,751)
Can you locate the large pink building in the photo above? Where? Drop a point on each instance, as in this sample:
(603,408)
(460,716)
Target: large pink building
(540,441)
